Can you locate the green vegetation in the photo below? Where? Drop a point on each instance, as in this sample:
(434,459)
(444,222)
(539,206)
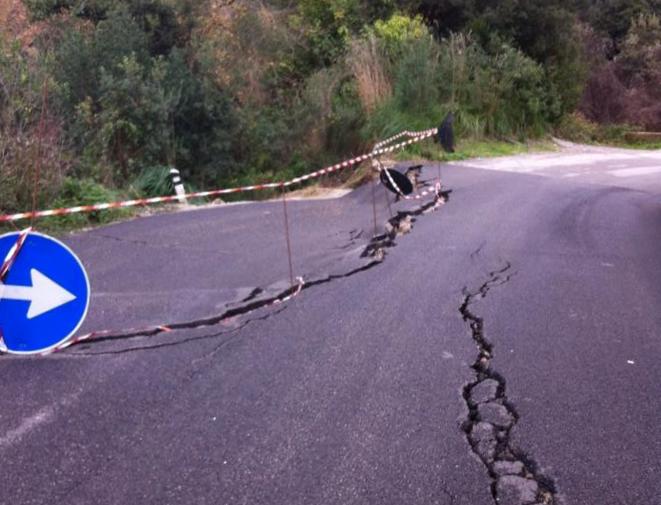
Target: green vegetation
(99,97)
(474,148)
(579,129)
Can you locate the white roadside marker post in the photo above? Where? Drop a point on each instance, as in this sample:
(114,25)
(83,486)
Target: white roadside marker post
(178,185)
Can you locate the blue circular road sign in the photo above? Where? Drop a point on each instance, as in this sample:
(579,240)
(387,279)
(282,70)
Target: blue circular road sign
(45,296)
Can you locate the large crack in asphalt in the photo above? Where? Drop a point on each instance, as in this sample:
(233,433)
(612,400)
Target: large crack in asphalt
(230,334)
(402,223)
(516,478)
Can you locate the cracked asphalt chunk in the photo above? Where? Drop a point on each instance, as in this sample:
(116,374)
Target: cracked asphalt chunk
(483,438)
(484,391)
(508,468)
(401,224)
(514,490)
(496,414)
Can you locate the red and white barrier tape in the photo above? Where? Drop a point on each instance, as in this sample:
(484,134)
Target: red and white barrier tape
(218,192)
(13,253)
(418,135)
(436,191)
(157,329)
(405,134)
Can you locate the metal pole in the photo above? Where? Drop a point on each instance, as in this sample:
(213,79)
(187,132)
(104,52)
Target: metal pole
(385,192)
(376,230)
(287,237)
(37,163)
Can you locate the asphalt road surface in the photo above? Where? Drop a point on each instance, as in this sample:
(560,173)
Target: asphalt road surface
(504,351)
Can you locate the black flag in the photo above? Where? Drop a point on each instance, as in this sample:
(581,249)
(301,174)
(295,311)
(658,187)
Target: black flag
(446,133)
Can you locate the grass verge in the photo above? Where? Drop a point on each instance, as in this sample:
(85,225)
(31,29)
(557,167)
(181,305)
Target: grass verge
(475,148)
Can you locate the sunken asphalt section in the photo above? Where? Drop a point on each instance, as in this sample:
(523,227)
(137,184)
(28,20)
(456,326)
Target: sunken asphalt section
(503,352)
(188,266)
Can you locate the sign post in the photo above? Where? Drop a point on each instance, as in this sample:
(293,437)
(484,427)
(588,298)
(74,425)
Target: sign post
(44,297)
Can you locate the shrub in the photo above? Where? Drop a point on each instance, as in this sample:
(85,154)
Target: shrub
(416,75)
(604,96)
(327,26)
(347,119)
(127,109)
(398,31)
(30,134)
(76,192)
(577,128)
(627,89)
(316,106)
(153,181)
(501,94)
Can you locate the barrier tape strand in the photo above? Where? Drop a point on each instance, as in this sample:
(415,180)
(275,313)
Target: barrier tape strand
(217,192)
(11,256)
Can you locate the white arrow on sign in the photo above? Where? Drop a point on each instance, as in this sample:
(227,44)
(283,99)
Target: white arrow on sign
(44,295)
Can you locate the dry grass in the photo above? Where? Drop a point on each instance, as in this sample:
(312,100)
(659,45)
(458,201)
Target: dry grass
(367,63)
(13,19)
(364,173)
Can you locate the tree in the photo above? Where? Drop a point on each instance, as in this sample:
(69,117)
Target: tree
(544,30)
(614,17)
(639,59)
(80,56)
(94,10)
(444,16)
